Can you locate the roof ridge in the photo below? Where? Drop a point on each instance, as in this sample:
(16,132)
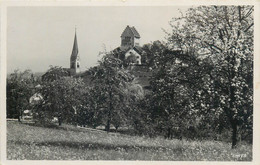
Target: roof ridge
(135,32)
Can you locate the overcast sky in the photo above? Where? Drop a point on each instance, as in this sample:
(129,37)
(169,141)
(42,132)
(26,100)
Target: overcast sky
(38,37)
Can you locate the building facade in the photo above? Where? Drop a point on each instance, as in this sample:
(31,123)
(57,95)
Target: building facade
(129,38)
(130,44)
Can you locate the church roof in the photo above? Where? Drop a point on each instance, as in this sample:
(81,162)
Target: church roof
(75,49)
(136,34)
(132,30)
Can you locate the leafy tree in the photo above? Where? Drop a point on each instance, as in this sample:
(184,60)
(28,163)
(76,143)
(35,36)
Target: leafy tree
(134,95)
(109,81)
(62,97)
(92,111)
(152,51)
(175,76)
(19,89)
(55,73)
(223,35)
(131,59)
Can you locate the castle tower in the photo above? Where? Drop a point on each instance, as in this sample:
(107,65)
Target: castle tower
(74,58)
(129,38)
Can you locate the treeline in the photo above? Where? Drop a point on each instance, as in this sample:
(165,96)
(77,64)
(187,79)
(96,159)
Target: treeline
(201,83)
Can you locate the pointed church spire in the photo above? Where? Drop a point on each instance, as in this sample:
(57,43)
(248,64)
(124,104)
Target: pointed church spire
(74,58)
(75,46)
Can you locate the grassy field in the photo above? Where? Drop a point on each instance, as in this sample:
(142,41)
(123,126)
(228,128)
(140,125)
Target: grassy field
(71,143)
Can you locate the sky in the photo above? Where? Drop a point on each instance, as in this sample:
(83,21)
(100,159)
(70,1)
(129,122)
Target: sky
(38,37)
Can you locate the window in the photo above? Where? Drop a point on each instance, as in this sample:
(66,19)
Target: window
(127,38)
(126,41)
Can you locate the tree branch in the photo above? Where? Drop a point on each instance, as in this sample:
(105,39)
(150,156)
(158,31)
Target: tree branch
(213,46)
(248,27)
(248,13)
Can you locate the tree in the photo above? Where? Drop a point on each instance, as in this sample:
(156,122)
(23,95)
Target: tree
(109,81)
(19,89)
(89,113)
(55,73)
(174,82)
(131,59)
(62,97)
(224,36)
(152,51)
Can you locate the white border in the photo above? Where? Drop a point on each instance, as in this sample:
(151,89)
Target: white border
(5,4)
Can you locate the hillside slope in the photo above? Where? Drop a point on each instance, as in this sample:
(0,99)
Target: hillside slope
(71,143)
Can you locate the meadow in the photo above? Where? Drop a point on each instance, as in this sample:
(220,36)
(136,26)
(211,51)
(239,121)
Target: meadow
(28,142)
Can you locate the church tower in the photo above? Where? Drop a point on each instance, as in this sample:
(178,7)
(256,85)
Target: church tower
(129,38)
(74,58)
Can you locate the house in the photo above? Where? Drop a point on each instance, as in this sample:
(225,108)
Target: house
(130,45)
(133,55)
(129,38)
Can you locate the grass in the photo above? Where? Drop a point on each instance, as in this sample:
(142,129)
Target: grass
(71,143)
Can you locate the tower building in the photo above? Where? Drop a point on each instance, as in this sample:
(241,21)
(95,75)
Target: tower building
(74,58)
(129,38)
(130,44)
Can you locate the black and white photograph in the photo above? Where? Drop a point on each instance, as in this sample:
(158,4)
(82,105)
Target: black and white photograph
(147,83)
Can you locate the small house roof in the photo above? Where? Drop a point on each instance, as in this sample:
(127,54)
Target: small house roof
(138,49)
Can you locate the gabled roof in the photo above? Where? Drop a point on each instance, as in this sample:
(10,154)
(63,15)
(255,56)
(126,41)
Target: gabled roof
(138,49)
(132,30)
(75,49)
(116,50)
(136,34)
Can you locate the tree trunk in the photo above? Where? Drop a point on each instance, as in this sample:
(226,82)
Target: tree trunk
(19,115)
(19,110)
(233,119)
(234,134)
(109,112)
(108,124)
(232,114)
(117,127)
(59,120)
(169,134)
